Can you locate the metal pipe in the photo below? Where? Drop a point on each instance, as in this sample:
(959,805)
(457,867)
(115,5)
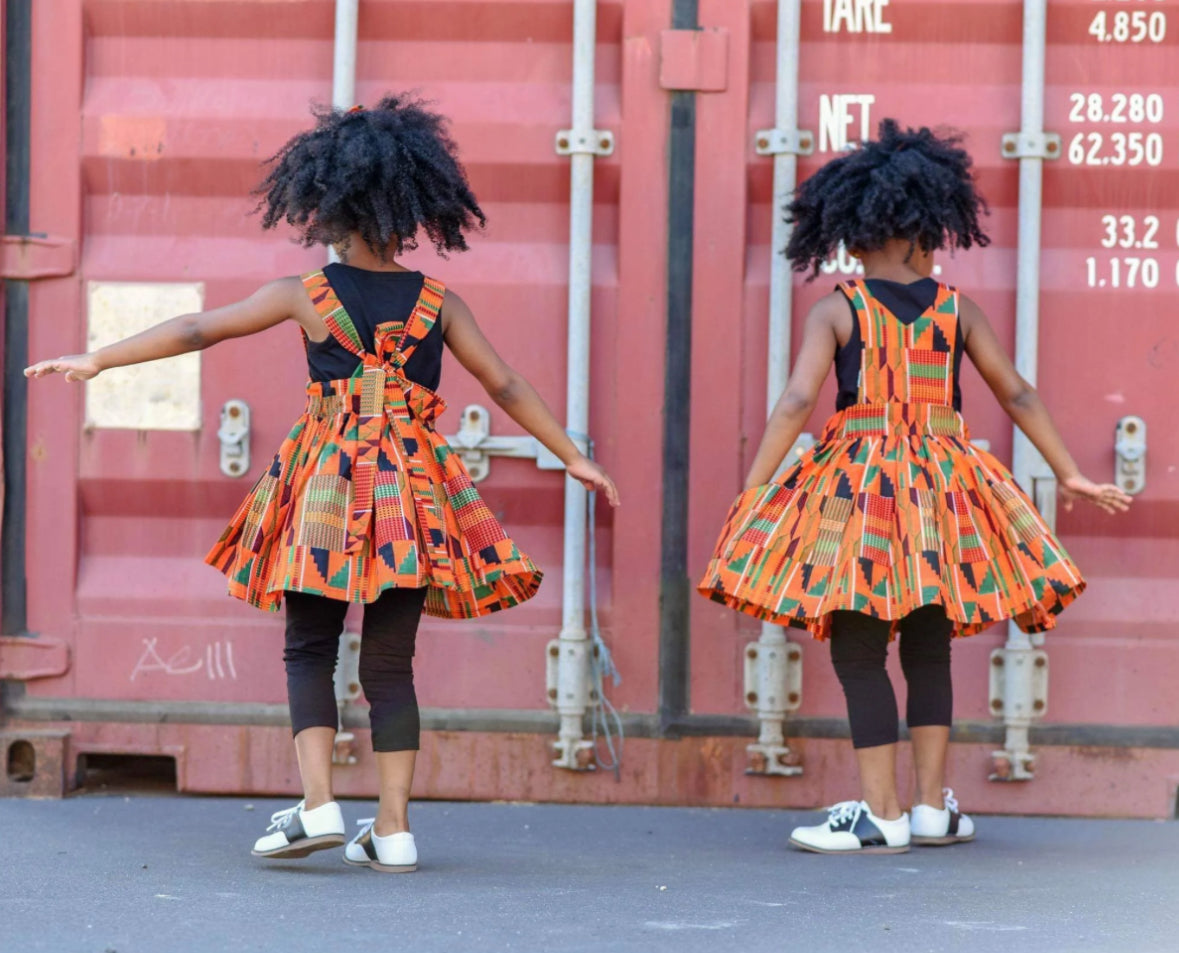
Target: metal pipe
(573,672)
(344,54)
(18,78)
(785,179)
(674,584)
(344,65)
(1026,462)
(770,754)
(343,97)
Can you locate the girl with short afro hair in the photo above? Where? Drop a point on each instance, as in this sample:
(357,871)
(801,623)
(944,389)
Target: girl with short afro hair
(382,174)
(364,502)
(894,523)
(907,184)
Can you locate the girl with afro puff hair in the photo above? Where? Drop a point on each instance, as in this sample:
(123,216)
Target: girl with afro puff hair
(894,523)
(364,501)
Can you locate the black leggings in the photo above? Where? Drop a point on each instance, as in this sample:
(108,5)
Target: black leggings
(859,647)
(387,636)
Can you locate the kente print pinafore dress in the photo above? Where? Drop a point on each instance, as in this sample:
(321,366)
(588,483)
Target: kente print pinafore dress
(894,508)
(364,495)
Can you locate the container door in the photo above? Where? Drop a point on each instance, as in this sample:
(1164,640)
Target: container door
(179,105)
(1109,280)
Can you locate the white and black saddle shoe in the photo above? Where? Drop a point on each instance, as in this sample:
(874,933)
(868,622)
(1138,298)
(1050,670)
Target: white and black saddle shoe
(934,828)
(297,833)
(852,828)
(395,854)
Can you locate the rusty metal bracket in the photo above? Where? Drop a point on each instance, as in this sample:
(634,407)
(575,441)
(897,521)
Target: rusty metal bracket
(29,257)
(595,142)
(1041,145)
(773,142)
(23,659)
(694,60)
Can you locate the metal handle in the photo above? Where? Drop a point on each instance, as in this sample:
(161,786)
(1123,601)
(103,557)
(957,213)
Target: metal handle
(1130,451)
(234,435)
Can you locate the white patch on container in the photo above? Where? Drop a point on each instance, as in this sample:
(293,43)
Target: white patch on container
(160,395)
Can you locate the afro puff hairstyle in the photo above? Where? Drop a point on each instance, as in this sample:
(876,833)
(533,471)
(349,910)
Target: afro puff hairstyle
(385,173)
(910,184)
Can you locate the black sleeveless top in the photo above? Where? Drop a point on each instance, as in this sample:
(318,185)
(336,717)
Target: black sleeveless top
(372,298)
(906,302)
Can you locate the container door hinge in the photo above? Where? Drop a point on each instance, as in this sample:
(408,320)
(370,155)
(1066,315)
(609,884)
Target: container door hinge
(773,687)
(29,257)
(1018,695)
(569,689)
(23,659)
(347,684)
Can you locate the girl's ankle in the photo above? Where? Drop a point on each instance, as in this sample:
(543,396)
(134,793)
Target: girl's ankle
(388,828)
(886,812)
(933,798)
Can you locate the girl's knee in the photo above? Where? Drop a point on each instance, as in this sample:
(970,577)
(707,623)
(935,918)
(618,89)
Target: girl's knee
(858,642)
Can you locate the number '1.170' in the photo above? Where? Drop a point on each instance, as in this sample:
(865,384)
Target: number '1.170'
(1124,272)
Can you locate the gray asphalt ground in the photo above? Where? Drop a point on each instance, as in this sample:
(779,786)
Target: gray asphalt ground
(151,874)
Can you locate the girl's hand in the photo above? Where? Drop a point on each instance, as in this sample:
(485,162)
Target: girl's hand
(593,477)
(1105,495)
(76,367)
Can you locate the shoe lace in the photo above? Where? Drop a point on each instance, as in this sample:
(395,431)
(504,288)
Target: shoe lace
(843,811)
(951,801)
(280,820)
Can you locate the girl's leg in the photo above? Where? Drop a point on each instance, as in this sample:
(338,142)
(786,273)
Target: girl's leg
(314,624)
(859,648)
(925,659)
(395,769)
(386,674)
(313,748)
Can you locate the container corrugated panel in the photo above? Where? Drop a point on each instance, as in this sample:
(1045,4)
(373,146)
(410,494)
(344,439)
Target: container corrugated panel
(1110,291)
(180,101)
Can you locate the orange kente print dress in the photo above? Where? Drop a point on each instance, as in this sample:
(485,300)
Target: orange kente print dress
(364,495)
(894,508)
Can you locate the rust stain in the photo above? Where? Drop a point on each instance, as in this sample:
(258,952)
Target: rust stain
(1101,753)
(33,763)
(38,452)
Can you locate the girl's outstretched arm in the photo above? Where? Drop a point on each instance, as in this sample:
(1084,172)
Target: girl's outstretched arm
(1023,405)
(515,395)
(266,307)
(790,414)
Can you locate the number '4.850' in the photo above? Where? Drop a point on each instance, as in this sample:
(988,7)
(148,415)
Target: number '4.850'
(1125,26)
